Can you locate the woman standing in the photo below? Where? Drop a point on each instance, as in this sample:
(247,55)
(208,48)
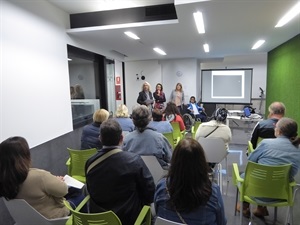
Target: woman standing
(177,97)
(145,96)
(159,97)
(186,195)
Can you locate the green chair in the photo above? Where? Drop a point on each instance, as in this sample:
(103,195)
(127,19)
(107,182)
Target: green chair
(250,147)
(172,140)
(195,128)
(76,162)
(265,181)
(103,218)
(176,130)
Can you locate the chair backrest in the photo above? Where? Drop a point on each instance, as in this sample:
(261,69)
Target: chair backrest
(176,130)
(25,214)
(103,218)
(195,128)
(154,167)
(267,181)
(78,159)
(250,147)
(162,221)
(170,138)
(214,148)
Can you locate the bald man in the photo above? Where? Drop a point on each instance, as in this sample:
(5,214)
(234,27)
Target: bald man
(265,129)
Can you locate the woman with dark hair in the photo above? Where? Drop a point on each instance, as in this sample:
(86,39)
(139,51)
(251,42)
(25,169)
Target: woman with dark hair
(42,190)
(186,195)
(172,114)
(159,97)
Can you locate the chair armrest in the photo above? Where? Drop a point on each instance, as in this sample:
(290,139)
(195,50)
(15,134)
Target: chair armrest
(236,175)
(176,141)
(84,201)
(68,163)
(142,217)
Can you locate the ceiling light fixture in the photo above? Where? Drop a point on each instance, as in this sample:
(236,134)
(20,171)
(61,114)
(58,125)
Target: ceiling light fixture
(158,50)
(132,35)
(258,44)
(206,47)
(293,12)
(199,22)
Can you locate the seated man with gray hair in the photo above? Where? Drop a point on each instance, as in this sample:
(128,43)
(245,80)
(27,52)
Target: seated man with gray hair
(146,141)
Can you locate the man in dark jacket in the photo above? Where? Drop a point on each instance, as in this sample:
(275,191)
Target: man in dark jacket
(118,180)
(265,129)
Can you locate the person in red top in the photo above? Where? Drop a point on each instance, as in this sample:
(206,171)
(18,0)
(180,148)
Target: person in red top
(172,114)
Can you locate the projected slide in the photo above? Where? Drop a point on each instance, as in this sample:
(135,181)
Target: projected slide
(226,86)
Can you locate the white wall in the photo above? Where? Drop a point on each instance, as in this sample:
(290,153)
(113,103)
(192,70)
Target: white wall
(35,96)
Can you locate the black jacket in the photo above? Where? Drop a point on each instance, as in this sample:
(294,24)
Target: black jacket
(121,183)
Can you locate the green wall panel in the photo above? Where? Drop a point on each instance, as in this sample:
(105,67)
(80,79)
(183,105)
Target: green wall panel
(283,77)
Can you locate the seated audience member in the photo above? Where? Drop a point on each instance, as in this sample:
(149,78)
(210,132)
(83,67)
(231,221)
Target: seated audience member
(265,129)
(284,149)
(90,132)
(122,182)
(172,114)
(42,190)
(144,140)
(195,110)
(216,128)
(157,123)
(123,119)
(186,195)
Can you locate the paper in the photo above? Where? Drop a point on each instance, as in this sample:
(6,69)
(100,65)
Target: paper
(70,181)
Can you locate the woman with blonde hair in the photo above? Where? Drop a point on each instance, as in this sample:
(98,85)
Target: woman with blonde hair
(91,132)
(123,119)
(177,96)
(145,96)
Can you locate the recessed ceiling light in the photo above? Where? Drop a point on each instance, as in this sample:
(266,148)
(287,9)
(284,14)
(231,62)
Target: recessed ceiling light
(206,47)
(199,22)
(132,35)
(158,50)
(293,12)
(258,44)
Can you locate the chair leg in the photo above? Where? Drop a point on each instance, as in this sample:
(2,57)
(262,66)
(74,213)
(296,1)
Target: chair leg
(236,200)
(275,215)
(227,180)
(241,213)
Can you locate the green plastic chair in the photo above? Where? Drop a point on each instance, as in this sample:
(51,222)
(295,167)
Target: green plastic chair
(265,181)
(195,128)
(76,162)
(176,130)
(103,218)
(172,140)
(250,147)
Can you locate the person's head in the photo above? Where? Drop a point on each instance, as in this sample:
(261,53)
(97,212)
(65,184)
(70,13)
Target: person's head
(159,87)
(192,99)
(276,110)
(287,127)
(220,115)
(100,115)
(141,117)
(178,87)
(171,109)
(156,115)
(146,86)
(15,162)
(111,133)
(188,180)
(122,111)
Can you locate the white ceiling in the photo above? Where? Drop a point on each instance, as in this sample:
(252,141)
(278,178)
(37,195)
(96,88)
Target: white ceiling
(232,27)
